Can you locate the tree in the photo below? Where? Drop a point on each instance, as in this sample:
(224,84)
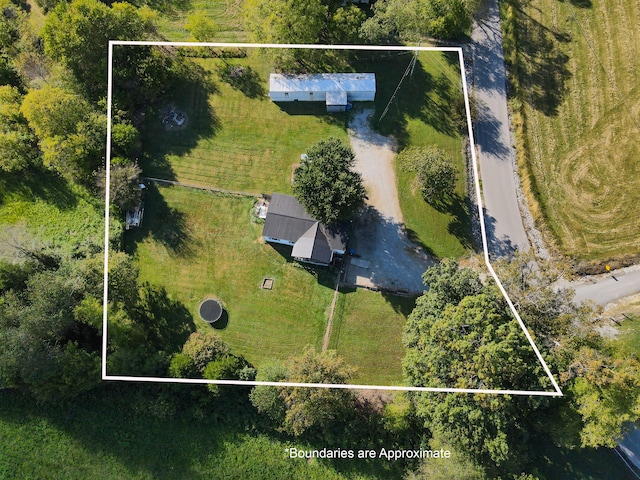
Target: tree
(268,399)
(316,408)
(435,173)
(417,19)
(71,134)
(601,385)
(46,347)
(460,335)
(124,139)
(313,21)
(201,27)
(204,348)
(325,183)
(124,183)
(18,146)
(78,34)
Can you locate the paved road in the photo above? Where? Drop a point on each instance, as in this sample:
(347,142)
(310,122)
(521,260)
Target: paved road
(630,446)
(505,231)
(604,289)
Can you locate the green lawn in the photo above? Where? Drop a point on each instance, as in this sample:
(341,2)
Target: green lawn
(367,333)
(233,140)
(241,141)
(426,111)
(226,15)
(576,70)
(113,436)
(39,208)
(197,244)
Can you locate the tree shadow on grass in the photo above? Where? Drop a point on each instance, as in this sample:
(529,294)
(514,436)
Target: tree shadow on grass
(167,322)
(163,224)
(460,209)
(543,74)
(37,183)
(403,305)
(421,96)
(243,78)
(190,96)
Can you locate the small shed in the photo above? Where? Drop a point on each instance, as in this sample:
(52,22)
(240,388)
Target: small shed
(337,90)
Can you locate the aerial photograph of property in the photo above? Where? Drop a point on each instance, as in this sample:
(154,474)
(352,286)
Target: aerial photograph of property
(361,239)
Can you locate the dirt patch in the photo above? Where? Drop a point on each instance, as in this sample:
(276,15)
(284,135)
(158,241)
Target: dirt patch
(386,258)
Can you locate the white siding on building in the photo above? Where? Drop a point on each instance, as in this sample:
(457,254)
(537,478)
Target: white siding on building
(314,87)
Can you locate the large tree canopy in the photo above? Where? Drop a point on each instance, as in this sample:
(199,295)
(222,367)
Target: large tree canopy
(294,22)
(325,183)
(300,409)
(78,34)
(461,335)
(71,134)
(18,145)
(415,19)
(601,385)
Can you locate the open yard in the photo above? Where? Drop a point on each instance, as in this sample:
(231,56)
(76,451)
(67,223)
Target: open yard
(576,73)
(367,333)
(197,244)
(237,139)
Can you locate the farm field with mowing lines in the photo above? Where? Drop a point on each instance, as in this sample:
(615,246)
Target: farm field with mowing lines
(576,79)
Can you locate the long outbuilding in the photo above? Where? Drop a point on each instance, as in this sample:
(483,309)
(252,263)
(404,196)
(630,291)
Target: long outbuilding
(337,90)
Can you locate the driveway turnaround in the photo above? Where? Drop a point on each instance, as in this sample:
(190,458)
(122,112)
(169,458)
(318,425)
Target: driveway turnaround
(387,258)
(496,156)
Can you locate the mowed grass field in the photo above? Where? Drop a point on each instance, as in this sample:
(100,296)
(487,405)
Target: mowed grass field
(197,244)
(367,333)
(234,140)
(578,68)
(225,14)
(239,140)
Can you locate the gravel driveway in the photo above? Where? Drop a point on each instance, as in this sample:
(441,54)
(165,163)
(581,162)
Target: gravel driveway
(387,258)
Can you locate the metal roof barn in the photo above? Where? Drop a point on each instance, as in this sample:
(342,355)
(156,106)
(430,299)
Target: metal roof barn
(335,89)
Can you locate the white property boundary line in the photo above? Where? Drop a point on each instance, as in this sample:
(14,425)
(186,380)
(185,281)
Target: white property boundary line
(556,393)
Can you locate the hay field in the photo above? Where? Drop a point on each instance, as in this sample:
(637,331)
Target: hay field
(576,76)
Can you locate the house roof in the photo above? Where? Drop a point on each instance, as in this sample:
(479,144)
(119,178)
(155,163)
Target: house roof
(323,82)
(288,220)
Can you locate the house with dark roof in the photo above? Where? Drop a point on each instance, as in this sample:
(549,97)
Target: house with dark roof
(288,223)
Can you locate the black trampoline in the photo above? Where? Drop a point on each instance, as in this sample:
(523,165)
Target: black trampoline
(210,310)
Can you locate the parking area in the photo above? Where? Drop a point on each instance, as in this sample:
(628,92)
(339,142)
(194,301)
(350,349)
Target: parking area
(386,259)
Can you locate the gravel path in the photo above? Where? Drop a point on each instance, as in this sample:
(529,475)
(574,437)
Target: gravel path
(388,259)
